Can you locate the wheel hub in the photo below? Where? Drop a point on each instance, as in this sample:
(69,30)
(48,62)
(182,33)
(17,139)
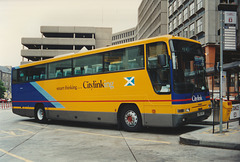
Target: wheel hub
(40,114)
(131,118)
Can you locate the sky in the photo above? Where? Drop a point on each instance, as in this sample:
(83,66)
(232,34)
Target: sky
(23,18)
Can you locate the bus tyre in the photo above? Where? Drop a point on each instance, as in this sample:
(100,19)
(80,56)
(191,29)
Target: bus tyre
(40,115)
(131,119)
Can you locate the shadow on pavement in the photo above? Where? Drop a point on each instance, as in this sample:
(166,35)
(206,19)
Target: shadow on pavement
(153,130)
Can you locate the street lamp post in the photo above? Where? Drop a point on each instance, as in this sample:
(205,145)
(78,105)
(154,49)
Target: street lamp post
(221,70)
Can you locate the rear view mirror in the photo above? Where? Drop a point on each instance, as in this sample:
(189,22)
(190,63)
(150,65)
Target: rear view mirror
(162,60)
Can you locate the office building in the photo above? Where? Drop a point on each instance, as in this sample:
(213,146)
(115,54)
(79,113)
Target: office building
(152,19)
(124,36)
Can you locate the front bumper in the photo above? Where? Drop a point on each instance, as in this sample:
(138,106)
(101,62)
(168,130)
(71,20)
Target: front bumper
(182,119)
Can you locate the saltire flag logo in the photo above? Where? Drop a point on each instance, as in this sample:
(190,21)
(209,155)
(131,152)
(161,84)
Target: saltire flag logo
(130,81)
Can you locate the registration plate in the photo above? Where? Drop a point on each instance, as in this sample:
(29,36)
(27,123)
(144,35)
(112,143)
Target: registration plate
(201,113)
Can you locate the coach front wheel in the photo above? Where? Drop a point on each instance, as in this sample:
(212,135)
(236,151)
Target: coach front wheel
(131,119)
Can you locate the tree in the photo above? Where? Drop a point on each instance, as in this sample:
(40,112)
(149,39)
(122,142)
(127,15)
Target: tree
(2,89)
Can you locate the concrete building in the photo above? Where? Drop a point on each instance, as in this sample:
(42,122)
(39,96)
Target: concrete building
(5,77)
(124,36)
(199,20)
(152,19)
(58,40)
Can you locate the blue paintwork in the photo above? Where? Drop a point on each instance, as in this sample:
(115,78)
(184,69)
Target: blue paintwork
(31,93)
(187,97)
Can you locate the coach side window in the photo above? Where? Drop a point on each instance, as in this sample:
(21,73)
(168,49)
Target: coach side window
(14,76)
(114,60)
(60,69)
(135,57)
(38,72)
(22,75)
(124,59)
(85,65)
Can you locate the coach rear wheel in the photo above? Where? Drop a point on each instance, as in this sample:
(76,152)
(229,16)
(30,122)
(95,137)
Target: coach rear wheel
(40,114)
(131,119)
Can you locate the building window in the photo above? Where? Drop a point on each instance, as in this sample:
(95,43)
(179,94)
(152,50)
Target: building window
(179,3)
(175,6)
(185,32)
(199,4)
(180,19)
(170,26)
(174,23)
(191,9)
(185,14)
(170,10)
(199,25)
(192,30)
(229,1)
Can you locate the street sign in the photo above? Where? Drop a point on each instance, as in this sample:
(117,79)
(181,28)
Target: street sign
(224,83)
(229,31)
(229,41)
(230,17)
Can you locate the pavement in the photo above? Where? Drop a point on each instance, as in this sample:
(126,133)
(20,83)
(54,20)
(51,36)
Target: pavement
(228,139)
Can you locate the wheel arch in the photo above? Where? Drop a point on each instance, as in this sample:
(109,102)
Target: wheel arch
(37,105)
